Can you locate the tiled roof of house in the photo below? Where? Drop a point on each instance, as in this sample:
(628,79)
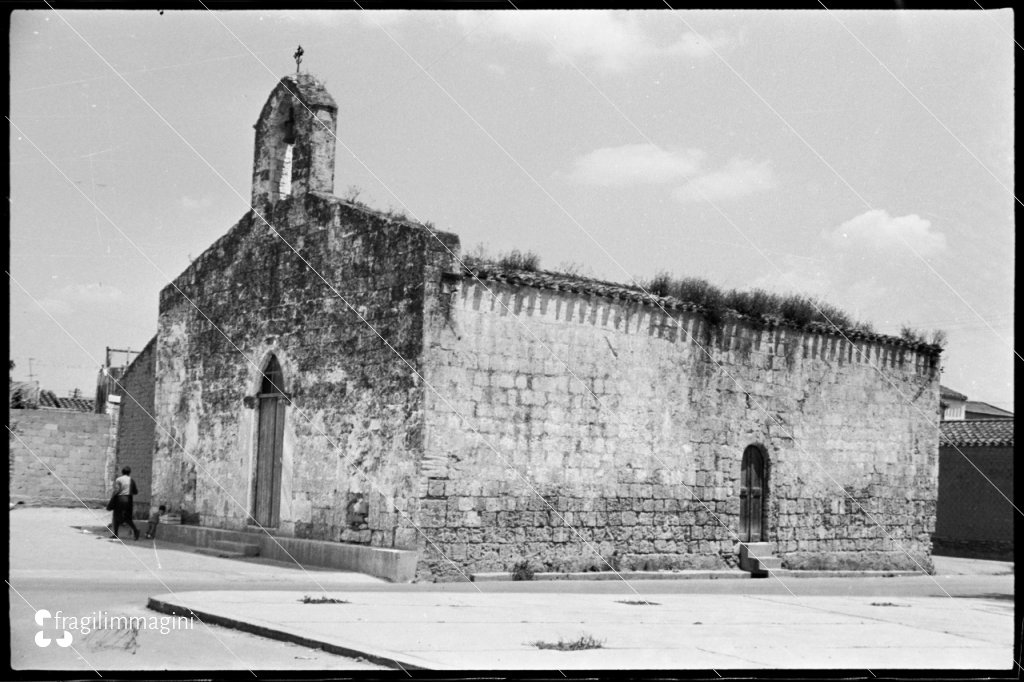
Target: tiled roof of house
(945,392)
(49,400)
(974,432)
(978,407)
(542,279)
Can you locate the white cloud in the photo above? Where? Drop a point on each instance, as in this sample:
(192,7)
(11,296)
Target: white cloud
(55,306)
(698,46)
(877,230)
(796,279)
(72,297)
(613,40)
(738,178)
(330,17)
(837,285)
(196,204)
(634,164)
(383,17)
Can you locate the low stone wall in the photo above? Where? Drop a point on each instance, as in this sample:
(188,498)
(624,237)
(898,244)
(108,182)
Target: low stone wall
(59,457)
(390,564)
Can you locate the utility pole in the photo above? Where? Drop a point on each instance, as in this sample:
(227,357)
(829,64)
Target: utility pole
(30,375)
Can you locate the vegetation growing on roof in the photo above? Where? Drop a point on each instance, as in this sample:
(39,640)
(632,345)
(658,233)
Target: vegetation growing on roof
(758,306)
(351,195)
(520,260)
(911,335)
(513,260)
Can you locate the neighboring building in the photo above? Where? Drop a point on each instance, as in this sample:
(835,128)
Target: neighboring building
(136,425)
(454,428)
(955,406)
(952,404)
(975,409)
(109,376)
(976,512)
(48,400)
(59,451)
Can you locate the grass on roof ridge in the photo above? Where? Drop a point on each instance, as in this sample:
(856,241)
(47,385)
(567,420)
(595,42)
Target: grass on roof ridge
(715,303)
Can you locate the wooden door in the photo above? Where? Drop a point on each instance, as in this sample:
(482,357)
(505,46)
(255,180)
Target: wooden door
(751,495)
(269,447)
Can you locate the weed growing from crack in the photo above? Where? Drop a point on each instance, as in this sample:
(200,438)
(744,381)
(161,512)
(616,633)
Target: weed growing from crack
(522,570)
(322,600)
(578,644)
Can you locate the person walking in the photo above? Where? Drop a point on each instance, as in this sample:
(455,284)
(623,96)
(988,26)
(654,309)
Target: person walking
(121,501)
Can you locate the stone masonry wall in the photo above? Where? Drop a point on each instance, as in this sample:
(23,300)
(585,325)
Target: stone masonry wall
(136,427)
(71,445)
(627,454)
(354,427)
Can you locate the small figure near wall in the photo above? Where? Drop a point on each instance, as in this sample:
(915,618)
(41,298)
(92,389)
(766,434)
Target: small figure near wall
(154,521)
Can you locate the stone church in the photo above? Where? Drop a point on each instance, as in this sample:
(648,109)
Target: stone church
(329,372)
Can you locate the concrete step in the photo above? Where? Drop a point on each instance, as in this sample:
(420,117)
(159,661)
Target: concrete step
(243,548)
(698,574)
(757,548)
(220,553)
(771,562)
(758,557)
(395,565)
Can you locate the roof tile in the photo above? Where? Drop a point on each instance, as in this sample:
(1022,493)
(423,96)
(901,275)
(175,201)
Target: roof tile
(49,400)
(975,432)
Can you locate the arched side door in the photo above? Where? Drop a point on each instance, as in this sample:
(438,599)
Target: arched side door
(751,495)
(269,446)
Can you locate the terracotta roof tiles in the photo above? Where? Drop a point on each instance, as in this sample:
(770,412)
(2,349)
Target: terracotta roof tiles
(49,400)
(977,432)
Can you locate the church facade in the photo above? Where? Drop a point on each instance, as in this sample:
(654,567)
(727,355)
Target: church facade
(326,371)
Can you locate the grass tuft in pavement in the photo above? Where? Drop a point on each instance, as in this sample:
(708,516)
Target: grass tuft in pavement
(322,600)
(522,570)
(578,644)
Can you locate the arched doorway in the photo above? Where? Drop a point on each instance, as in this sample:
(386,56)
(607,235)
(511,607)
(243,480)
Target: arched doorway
(752,495)
(269,446)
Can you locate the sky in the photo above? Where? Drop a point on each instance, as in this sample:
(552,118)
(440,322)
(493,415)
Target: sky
(865,158)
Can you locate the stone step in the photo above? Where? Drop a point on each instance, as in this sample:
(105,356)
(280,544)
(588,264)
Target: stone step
(757,549)
(243,548)
(220,553)
(771,562)
(395,565)
(757,557)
